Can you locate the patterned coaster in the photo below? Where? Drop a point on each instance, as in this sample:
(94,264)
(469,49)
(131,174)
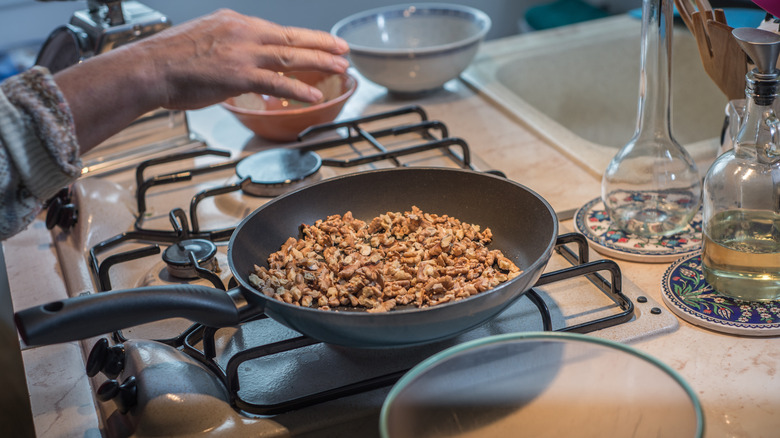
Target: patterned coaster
(688,295)
(593,221)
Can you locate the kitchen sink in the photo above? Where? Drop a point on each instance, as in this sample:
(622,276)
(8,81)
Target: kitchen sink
(577,87)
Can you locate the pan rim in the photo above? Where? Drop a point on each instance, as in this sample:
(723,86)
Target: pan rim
(535,267)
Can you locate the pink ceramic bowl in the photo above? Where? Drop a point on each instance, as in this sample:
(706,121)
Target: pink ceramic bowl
(283,119)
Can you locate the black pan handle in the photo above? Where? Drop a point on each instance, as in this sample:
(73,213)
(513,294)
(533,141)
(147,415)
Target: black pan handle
(95,314)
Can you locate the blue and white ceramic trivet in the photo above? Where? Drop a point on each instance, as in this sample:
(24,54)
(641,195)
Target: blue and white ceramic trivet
(593,221)
(689,296)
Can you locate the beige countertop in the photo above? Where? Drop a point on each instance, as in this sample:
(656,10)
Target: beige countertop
(735,377)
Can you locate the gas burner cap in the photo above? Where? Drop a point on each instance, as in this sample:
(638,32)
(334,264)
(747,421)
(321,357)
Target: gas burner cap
(277,170)
(177,257)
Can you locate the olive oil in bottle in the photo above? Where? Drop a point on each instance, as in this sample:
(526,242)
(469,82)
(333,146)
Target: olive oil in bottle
(741,198)
(741,255)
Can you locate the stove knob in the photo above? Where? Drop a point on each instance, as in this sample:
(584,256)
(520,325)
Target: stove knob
(61,211)
(125,396)
(109,360)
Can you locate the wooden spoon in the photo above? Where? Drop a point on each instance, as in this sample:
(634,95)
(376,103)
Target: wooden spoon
(723,60)
(729,60)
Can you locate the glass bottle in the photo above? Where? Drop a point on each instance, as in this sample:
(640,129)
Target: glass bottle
(652,187)
(741,211)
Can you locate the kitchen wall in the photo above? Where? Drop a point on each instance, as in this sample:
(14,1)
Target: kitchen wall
(27,22)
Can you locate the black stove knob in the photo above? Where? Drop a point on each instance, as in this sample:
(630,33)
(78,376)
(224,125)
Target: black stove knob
(108,390)
(125,396)
(109,360)
(61,211)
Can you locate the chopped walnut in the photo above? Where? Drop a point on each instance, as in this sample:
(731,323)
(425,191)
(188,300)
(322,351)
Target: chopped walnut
(393,260)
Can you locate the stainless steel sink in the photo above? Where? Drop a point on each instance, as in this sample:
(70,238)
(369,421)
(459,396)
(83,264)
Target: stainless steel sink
(577,87)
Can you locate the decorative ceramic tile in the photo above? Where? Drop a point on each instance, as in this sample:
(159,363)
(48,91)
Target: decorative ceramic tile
(593,221)
(689,296)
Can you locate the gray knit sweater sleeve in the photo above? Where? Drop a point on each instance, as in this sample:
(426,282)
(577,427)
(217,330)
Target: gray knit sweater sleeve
(38,147)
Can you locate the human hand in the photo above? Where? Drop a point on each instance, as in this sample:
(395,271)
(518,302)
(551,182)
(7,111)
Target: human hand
(193,65)
(225,54)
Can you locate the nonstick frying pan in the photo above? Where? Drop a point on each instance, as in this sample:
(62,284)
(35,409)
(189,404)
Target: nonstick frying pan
(524,227)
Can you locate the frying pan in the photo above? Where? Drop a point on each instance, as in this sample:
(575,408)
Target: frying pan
(524,228)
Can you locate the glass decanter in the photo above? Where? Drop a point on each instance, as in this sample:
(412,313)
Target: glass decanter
(652,187)
(741,206)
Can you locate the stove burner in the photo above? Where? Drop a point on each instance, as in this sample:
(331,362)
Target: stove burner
(179,257)
(275,171)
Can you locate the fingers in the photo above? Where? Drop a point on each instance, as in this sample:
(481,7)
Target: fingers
(267,45)
(296,37)
(274,34)
(284,48)
(277,84)
(284,58)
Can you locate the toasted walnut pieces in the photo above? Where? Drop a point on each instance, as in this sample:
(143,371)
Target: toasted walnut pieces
(396,259)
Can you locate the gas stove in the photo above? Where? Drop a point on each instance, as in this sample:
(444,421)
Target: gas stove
(168,223)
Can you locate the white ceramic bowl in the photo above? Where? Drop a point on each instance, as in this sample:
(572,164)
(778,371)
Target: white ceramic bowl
(413,48)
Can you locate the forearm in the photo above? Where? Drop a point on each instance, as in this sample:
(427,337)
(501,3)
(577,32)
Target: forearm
(106,94)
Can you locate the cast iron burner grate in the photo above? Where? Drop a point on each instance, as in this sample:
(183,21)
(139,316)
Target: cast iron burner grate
(198,334)
(276,171)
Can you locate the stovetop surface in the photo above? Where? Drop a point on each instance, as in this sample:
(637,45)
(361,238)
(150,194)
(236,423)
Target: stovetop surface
(108,207)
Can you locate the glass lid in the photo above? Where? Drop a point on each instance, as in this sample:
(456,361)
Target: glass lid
(541,385)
